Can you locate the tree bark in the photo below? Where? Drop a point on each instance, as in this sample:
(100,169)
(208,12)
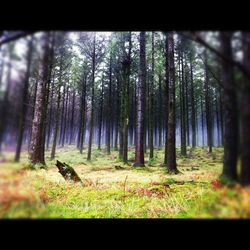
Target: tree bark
(82,114)
(183,109)
(245,118)
(109,107)
(24,97)
(208,108)
(166,97)
(92,101)
(160,113)
(65,117)
(171,145)
(230,110)
(139,147)
(126,81)
(56,128)
(71,140)
(68,172)
(51,99)
(36,147)
(4,106)
(193,104)
(100,117)
(151,108)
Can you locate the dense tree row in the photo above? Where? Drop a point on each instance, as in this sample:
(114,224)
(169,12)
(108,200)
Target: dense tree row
(144,90)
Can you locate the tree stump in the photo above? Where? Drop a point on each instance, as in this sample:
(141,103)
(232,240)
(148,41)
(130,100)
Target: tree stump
(67,172)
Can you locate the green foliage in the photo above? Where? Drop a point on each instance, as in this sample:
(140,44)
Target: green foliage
(25,210)
(226,181)
(152,162)
(170,181)
(35,166)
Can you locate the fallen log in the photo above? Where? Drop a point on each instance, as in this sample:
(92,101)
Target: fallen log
(67,172)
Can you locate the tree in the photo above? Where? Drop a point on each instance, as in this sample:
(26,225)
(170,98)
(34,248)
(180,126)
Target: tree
(36,148)
(109,109)
(193,100)
(4,110)
(22,114)
(139,147)
(92,47)
(208,106)
(182,95)
(58,111)
(245,116)
(92,98)
(171,144)
(230,110)
(71,140)
(151,100)
(50,64)
(125,94)
(82,123)
(166,97)
(62,60)
(101,114)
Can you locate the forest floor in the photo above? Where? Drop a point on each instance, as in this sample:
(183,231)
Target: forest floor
(113,190)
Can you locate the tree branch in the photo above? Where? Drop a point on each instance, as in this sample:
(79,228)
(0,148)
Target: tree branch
(196,37)
(12,36)
(212,73)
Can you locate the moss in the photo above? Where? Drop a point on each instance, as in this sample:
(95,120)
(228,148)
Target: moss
(37,166)
(152,161)
(227,181)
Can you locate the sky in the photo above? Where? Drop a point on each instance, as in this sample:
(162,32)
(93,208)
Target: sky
(21,50)
(73,35)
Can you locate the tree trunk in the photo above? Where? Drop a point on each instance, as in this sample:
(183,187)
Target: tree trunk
(50,111)
(160,113)
(36,146)
(65,117)
(117,105)
(171,147)
(230,110)
(183,109)
(2,67)
(62,116)
(100,118)
(126,65)
(33,103)
(166,98)
(151,108)
(109,107)
(245,118)
(68,172)
(4,106)
(24,97)
(139,150)
(186,105)
(56,128)
(92,102)
(221,118)
(71,140)
(82,114)
(217,120)
(47,90)
(193,104)
(207,107)
(202,123)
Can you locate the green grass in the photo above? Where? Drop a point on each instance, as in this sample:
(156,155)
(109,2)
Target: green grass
(108,192)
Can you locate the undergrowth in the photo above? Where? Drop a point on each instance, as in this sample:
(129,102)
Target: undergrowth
(112,189)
